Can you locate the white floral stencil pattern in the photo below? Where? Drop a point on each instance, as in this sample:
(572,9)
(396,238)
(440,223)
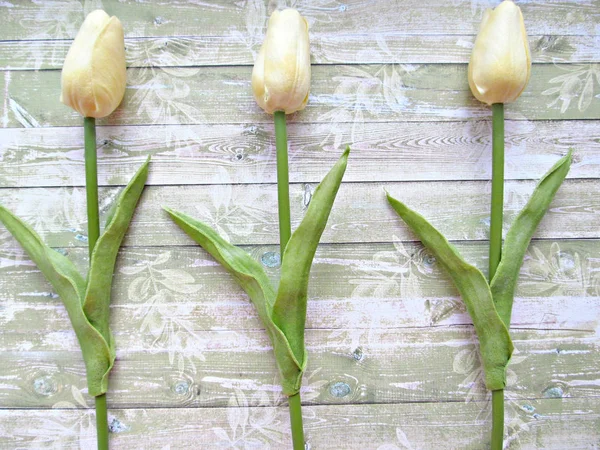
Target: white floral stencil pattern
(252,428)
(76,429)
(559,273)
(575,86)
(402,442)
(163,316)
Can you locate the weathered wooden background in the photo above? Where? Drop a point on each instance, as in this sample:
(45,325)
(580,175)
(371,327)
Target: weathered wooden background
(393,360)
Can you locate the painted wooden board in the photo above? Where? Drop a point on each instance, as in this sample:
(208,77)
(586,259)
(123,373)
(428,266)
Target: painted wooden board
(223,154)
(326,48)
(353,286)
(532,424)
(175,324)
(61,19)
(183,366)
(247,214)
(339,94)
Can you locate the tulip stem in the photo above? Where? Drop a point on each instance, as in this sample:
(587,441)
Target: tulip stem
(497,419)
(296,421)
(91,191)
(283,181)
(91,182)
(497,187)
(285,232)
(102,422)
(496,247)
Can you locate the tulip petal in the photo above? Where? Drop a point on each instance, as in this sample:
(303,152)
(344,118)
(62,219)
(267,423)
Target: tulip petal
(94,72)
(500,63)
(281,75)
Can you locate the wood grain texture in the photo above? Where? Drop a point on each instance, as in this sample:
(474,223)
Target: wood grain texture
(238,154)
(247,214)
(340,94)
(61,19)
(547,423)
(353,286)
(345,367)
(326,48)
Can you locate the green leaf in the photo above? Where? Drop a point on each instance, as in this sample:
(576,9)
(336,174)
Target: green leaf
(283,316)
(519,235)
(70,286)
(96,304)
(251,277)
(494,340)
(289,310)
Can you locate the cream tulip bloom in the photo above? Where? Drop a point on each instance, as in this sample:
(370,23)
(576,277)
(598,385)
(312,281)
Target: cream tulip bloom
(94,73)
(281,75)
(500,64)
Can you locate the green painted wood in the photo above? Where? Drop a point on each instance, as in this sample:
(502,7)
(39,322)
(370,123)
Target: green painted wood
(326,48)
(340,94)
(353,286)
(533,424)
(369,366)
(222,154)
(246,20)
(178,314)
(247,214)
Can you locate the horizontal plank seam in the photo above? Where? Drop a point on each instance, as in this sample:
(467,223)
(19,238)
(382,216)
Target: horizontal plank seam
(309,404)
(273,244)
(318,34)
(299,183)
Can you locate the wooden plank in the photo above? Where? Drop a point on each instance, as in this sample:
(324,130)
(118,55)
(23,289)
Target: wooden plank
(326,48)
(222,154)
(246,20)
(166,363)
(353,286)
(247,215)
(548,424)
(176,314)
(340,94)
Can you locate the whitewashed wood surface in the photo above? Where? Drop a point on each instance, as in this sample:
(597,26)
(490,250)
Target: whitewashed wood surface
(393,361)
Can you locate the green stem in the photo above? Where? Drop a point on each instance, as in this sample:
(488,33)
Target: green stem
(496,247)
(91,182)
(285,232)
(91,191)
(283,181)
(102,422)
(497,187)
(296,421)
(497,419)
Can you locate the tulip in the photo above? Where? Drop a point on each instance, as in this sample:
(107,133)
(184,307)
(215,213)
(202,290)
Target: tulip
(499,70)
(281,75)
(93,75)
(500,64)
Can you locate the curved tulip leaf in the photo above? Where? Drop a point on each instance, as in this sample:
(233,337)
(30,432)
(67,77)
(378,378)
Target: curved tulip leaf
(494,340)
(70,286)
(289,310)
(519,235)
(253,280)
(97,297)
(87,302)
(283,316)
